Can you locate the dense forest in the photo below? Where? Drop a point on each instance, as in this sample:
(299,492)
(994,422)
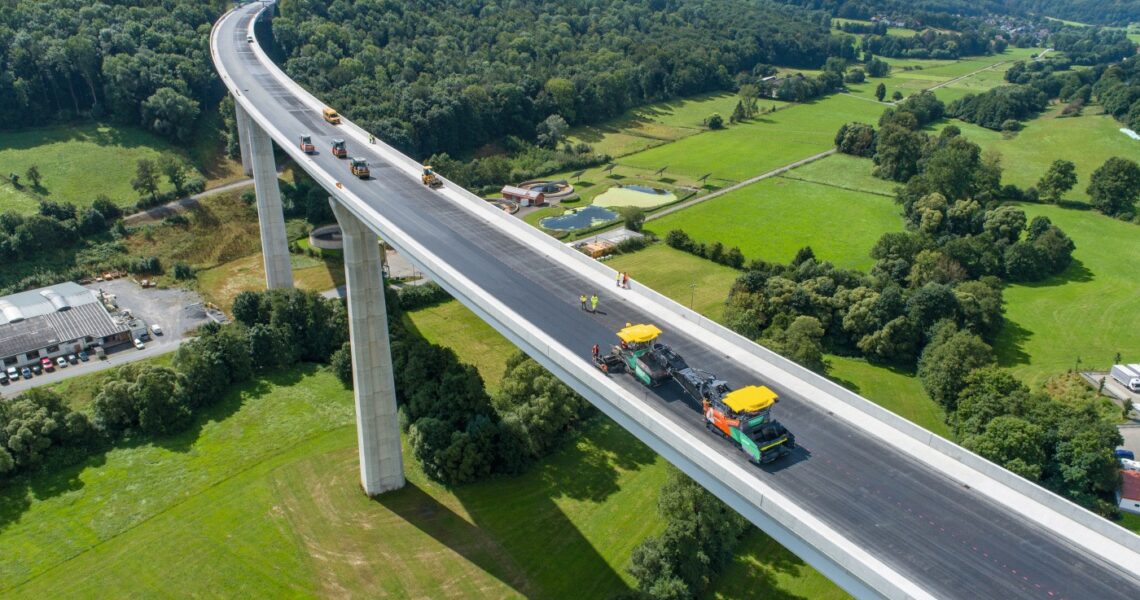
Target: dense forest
(448,77)
(143,62)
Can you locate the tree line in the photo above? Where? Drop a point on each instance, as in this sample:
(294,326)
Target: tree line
(449,78)
(142,62)
(457,431)
(944,13)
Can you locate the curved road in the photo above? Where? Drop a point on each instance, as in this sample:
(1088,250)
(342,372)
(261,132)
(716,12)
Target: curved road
(952,541)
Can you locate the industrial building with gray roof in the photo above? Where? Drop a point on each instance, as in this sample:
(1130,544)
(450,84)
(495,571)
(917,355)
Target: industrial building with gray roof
(53,321)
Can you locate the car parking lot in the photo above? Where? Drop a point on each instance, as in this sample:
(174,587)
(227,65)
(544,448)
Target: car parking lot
(176,311)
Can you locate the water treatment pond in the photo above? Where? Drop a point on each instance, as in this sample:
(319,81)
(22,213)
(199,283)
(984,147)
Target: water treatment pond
(641,196)
(577,218)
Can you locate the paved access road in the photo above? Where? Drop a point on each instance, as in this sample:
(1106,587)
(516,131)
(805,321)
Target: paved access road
(949,539)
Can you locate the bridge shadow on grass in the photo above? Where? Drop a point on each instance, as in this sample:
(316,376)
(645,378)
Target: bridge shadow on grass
(752,573)
(520,533)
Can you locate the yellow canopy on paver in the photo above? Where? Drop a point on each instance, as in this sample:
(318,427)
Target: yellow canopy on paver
(638,334)
(750,399)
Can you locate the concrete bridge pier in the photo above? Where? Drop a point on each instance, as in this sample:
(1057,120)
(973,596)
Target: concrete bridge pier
(243,139)
(377,424)
(270,215)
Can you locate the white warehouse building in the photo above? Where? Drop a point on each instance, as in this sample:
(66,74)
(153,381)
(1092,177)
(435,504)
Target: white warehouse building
(54,321)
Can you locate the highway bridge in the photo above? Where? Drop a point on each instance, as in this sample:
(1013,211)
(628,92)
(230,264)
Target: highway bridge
(882,507)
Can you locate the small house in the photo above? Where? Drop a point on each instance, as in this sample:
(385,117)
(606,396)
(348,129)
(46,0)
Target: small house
(523,196)
(1128,498)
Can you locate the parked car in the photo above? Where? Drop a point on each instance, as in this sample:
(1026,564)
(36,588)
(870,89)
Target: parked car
(139,344)
(1125,453)
(156,328)
(13,374)
(73,359)
(3,378)
(48,365)
(83,357)
(62,362)
(26,372)
(37,368)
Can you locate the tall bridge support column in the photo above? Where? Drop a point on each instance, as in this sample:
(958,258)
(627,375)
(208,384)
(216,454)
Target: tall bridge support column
(243,139)
(270,215)
(377,425)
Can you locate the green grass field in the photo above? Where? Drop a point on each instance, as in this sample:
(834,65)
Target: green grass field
(844,171)
(1087,141)
(752,148)
(913,75)
(776,217)
(688,279)
(77,162)
(655,124)
(1089,311)
(897,391)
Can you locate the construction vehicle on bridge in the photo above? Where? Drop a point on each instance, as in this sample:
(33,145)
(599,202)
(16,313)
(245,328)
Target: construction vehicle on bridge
(359,167)
(430,179)
(339,150)
(742,416)
(307,144)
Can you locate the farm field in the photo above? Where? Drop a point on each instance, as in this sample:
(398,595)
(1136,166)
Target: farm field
(774,218)
(843,171)
(1089,311)
(913,75)
(1087,141)
(748,149)
(77,163)
(895,31)
(654,124)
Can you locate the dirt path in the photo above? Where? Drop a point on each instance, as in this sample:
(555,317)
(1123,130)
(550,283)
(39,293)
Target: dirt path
(737,186)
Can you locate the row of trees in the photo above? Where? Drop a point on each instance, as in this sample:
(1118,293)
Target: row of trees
(935,44)
(949,14)
(139,62)
(715,251)
(447,78)
(1118,90)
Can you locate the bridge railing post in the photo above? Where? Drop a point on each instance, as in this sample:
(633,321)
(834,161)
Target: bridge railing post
(377,424)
